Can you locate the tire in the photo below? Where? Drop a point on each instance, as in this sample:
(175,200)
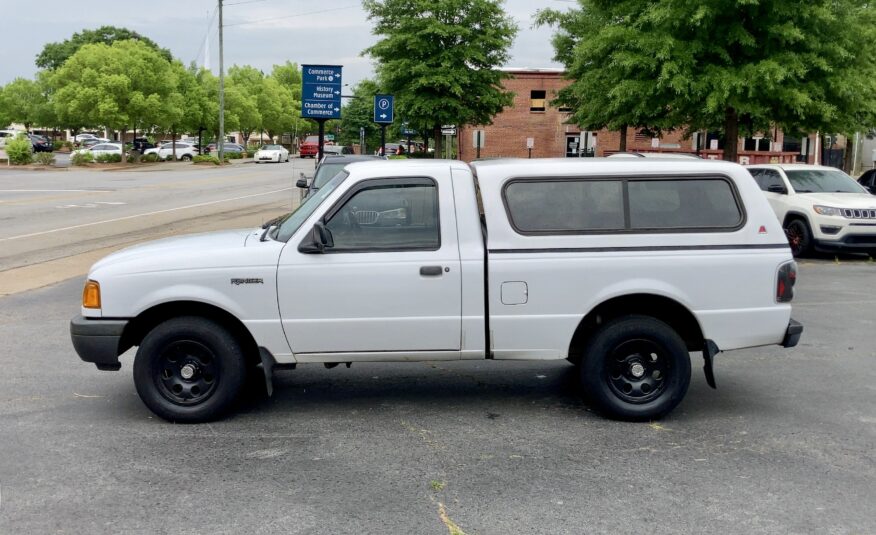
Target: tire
(799,237)
(635,368)
(212,354)
(186,157)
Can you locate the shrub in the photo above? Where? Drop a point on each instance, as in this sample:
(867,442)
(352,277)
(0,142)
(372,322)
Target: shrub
(235,155)
(204,158)
(44,158)
(151,158)
(108,158)
(81,158)
(19,150)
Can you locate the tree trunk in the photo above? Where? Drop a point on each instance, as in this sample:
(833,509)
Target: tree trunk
(438,144)
(622,146)
(122,141)
(173,141)
(731,135)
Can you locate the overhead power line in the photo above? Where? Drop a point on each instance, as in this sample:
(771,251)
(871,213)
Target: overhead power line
(243,23)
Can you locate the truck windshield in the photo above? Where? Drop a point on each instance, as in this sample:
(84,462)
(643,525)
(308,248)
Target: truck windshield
(290,224)
(822,181)
(326,172)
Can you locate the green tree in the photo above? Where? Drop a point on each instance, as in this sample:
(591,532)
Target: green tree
(800,65)
(440,57)
(24,102)
(54,55)
(358,113)
(122,85)
(242,89)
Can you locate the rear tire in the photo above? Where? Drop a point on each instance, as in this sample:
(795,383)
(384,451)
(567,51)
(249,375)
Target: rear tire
(189,370)
(186,157)
(635,368)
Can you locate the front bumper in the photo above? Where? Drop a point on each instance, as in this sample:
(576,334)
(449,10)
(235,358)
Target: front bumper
(98,341)
(792,333)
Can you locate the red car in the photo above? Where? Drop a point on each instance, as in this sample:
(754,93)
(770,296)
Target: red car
(310,147)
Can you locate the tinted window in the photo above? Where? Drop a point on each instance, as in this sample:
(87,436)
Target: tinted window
(582,205)
(326,171)
(679,204)
(566,206)
(388,217)
(820,180)
(766,178)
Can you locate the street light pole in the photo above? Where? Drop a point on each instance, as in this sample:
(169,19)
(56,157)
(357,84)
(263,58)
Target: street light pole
(221,141)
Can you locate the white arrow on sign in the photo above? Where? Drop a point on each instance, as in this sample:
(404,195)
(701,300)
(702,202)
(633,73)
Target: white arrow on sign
(337,109)
(383,116)
(337,92)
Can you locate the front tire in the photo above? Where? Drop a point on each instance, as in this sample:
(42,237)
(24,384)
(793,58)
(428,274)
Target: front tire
(186,157)
(799,237)
(635,368)
(189,370)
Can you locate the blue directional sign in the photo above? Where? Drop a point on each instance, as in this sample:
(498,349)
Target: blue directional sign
(407,130)
(321,91)
(384,109)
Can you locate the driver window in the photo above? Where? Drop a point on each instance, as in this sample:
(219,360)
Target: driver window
(401,216)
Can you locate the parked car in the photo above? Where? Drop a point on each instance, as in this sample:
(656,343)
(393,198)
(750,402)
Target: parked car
(41,143)
(141,144)
(184,151)
(90,142)
(820,208)
(393,149)
(83,136)
(337,150)
(226,147)
(271,153)
(9,134)
(102,148)
(658,155)
(309,148)
(868,180)
(622,267)
(328,167)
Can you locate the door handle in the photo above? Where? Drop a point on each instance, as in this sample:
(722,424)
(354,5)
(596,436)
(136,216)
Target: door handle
(431,271)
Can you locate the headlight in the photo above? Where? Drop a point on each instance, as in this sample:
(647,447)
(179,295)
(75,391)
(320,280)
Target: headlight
(91,294)
(827,210)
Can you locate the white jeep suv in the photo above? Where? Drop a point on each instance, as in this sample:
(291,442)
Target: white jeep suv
(820,208)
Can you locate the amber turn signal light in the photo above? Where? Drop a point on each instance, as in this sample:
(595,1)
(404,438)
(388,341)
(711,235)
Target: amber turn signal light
(91,294)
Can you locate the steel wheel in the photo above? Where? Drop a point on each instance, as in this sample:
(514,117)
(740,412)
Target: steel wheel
(637,371)
(187,372)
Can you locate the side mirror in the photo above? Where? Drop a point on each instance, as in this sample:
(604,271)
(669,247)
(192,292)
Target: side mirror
(320,238)
(302,183)
(776,188)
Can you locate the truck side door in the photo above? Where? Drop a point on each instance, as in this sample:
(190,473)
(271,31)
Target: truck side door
(389,282)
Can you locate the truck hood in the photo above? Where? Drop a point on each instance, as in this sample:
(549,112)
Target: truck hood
(842,200)
(189,246)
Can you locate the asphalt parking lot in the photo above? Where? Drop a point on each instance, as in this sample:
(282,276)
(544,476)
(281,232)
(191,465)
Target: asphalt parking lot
(785,445)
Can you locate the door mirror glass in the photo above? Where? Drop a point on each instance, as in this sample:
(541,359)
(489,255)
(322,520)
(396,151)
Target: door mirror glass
(776,188)
(302,183)
(319,239)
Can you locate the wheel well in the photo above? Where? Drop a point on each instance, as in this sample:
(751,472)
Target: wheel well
(140,326)
(662,308)
(792,216)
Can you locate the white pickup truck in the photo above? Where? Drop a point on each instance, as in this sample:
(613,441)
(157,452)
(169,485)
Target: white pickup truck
(623,267)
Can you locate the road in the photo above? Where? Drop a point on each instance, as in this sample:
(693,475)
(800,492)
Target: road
(785,445)
(57,223)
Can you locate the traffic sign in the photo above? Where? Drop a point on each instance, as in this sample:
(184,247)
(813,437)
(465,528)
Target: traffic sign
(321,91)
(407,130)
(384,109)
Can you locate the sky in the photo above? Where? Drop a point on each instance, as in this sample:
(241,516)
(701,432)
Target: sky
(260,33)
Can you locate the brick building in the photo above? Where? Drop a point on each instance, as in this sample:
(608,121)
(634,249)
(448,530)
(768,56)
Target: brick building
(532,127)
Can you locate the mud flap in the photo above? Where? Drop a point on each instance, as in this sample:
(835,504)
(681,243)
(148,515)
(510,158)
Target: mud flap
(710,349)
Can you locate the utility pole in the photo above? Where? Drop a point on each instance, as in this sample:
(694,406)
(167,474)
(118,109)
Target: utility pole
(220,143)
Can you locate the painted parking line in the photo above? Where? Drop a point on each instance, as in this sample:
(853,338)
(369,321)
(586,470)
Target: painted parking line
(32,234)
(56,191)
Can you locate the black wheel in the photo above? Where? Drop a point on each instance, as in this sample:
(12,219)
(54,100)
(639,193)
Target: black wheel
(799,237)
(186,157)
(635,368)
(189,369)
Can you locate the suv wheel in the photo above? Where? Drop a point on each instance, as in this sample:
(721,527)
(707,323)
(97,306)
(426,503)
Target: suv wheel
(189,369)
(635,368)
(799,237)
(186,157)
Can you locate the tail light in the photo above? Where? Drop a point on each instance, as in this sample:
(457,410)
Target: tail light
(785,282)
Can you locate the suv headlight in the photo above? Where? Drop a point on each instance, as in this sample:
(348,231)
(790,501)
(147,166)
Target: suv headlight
(827,210)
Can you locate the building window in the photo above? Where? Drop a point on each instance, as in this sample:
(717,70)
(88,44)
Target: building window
(759,144)
(537,100)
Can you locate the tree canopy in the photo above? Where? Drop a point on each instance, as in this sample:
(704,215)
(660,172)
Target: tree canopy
(24,101)
(801,65)
(440,59)
(54,55)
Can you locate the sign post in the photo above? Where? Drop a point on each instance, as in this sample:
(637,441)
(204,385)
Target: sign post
(478,140)
(384,113)
(530,144)
(408,132)
(321,96)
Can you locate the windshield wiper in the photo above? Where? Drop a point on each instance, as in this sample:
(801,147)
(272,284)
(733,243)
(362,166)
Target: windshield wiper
(273,222)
